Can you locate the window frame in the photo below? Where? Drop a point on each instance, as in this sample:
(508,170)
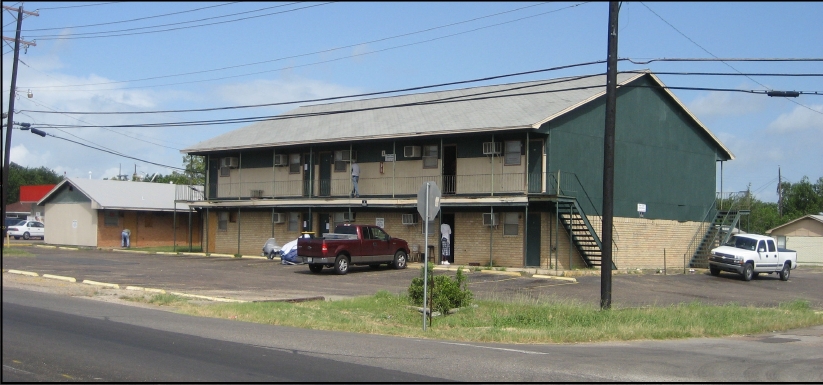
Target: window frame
(507,153)
(511,223)
(427,159)
(294,221)
(294,167)
(111,213)
(222,221)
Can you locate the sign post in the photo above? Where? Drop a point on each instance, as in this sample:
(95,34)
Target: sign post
(428,205)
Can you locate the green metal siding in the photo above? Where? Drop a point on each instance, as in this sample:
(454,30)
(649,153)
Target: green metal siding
(662,157)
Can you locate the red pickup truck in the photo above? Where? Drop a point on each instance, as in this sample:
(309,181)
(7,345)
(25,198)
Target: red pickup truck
(352,244)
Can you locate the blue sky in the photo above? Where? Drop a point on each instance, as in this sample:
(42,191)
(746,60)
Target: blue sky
(283,52)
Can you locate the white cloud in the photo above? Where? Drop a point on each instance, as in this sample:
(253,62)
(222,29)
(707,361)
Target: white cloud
(23,157)
(799,119)
(726,104)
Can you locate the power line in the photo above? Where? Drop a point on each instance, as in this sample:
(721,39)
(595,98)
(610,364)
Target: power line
(340,97)
(323,51)
(130,20)
(79,6)
(69,37)
(440,85)
(724,62)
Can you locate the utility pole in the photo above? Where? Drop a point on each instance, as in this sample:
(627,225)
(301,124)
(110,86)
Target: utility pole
(12,95)
(608,161)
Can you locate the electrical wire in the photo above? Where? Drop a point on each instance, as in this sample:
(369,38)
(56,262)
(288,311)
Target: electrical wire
(79,6)
(69,37)
(417,88)
(322,51)
(130,20)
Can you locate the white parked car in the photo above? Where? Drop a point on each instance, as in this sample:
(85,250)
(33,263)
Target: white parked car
(27,230)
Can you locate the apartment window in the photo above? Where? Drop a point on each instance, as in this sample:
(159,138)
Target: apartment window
(513,148)
(510,223)
(294,221)
(223,220)
(294,164)
(430,156)
(112,218)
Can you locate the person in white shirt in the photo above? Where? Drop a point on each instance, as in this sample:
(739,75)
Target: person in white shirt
(445,243)
(355,177)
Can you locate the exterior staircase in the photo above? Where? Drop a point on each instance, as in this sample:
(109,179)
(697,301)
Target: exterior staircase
(715,233)
(583,236)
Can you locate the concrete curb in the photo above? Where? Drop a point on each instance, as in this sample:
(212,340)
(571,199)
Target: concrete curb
(46,246)
(67,248)
(28,273)
(103,284)
(146,289)
(207,297)
(59,277)
(553,277)
(509,273)
(131,251)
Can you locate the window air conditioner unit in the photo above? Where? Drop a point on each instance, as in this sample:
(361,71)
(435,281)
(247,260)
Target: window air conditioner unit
(281,160)
(256,193)
(277,218)
(409,219)
(411,152)
(229,162)
(490,148)
(489,219)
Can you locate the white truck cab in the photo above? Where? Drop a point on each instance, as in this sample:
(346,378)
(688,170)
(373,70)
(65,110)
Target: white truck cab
(750,255)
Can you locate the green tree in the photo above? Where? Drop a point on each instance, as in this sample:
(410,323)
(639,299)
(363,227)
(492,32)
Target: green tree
(25,176)
(802,198)
(194,173)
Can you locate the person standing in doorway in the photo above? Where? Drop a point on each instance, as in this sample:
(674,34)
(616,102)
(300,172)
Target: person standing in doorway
(124,238)
(445,243)
(355,177)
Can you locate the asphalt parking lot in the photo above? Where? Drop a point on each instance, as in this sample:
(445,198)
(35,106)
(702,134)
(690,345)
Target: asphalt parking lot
(262,279)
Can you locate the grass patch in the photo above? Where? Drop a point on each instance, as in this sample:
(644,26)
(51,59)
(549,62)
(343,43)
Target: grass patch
(15,252)
(527,321)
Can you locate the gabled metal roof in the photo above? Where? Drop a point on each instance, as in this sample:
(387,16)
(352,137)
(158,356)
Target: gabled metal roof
(122,195)
(513,106)
(818,218)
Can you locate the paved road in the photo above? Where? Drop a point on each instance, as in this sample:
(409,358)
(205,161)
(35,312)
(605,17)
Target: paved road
(260,279)
(51,338)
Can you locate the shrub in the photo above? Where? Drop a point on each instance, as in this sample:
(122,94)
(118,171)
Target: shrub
(446,293)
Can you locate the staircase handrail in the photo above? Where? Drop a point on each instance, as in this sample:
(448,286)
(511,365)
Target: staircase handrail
(586,194)
(701,230)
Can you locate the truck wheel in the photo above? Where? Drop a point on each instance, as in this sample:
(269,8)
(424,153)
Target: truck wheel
(714,271)
(341,264)
(26,236)
(400,259)
(748,272)
(784,274)
(315,267)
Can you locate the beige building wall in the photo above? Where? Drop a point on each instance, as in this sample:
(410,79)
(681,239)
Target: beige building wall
(805,228)
(71,224)
(809,249)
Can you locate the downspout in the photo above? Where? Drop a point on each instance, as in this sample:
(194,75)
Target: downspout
(492,173)
(239,175)
(174,228)
(190,236)
(238,231)
(206,249)
(525,231)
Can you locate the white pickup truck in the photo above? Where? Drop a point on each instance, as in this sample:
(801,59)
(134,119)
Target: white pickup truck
(750,255)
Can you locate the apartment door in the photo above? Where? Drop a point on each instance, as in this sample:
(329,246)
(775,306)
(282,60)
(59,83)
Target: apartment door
(449,169)
(533,240)
(214,168)
(326,159)
(325,223)
(535,166)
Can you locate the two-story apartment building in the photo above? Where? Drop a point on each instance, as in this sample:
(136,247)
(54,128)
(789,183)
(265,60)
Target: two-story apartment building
(519,166)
